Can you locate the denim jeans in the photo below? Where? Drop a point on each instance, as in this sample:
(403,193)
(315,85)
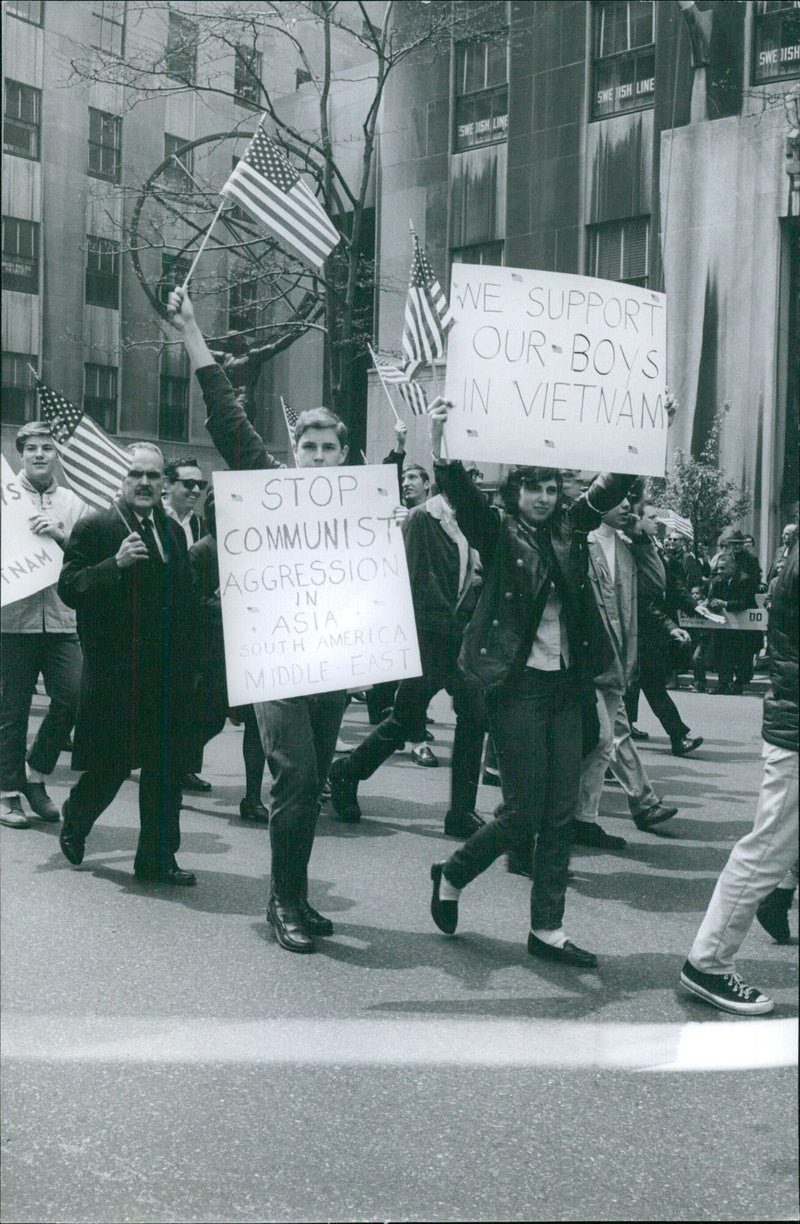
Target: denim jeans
(299,739)
(758,863)
(535,719)
(24,655)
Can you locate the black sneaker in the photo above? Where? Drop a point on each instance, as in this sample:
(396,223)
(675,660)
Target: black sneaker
(726,991)
(344,793)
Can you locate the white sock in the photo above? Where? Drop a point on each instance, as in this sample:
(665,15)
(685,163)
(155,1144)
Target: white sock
(556,939)
(33,775)
(446,890)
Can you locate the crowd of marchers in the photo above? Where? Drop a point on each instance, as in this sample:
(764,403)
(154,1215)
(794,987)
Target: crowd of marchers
(546,609)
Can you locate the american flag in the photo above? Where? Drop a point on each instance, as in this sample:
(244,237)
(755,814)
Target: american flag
(412,393)
(271,190)
(428,316)
(93,465)
(290,417)
(675,522)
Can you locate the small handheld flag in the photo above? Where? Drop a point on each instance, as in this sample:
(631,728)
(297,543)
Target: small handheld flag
(428,317)
(93,465)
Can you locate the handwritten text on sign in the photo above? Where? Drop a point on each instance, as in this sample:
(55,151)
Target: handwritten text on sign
(556,370)
(313,580)
(30,562)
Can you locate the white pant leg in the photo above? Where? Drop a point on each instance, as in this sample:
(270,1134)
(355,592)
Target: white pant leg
(594,765)
(627,766)
(757,864)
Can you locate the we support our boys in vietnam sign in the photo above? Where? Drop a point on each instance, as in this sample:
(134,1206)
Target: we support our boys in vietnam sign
(556,370)
(313,581)
(30,562)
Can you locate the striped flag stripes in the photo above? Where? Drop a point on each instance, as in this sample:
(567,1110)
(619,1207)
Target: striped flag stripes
(93,465)
(428,317)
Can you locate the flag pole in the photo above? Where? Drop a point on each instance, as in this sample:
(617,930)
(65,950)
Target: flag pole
(202,246)
(383,384)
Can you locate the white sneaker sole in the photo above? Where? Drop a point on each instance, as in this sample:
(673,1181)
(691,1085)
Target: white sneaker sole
(726,1005)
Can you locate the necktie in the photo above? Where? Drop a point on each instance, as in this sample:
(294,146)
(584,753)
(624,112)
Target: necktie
(149,538)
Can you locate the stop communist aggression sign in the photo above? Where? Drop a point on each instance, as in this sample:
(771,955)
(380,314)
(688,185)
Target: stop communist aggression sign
(556,370)
(313,581)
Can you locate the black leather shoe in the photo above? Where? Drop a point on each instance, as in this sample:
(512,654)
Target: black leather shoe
(589,833)
(444,913)
(72,846)
(253,809)
(517,865)
(640,736)
(314,922)
(568,954)
(429,737)
(191,782)
(422,755)
(462,824)
(654,815)
(491,778)
(40,802)
(288,928)
(683,747)
(344,793)
(170,875)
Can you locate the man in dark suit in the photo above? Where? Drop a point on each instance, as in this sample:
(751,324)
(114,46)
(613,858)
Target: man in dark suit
(126,573)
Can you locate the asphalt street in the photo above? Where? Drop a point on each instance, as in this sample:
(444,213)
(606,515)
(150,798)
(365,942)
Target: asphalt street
(164,1060)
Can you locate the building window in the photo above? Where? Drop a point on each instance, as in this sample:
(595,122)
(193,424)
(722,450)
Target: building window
(20,255)
(19,393)
(105,145)
(109,26)
(22,120)
(247,76)
(479,253)
(182,49)
(178,172)
(102,272)
(776,45)
(618,251)
(624,64)
(26,10)
(173,398)
(174,270)
(100,395)
(481,102)
(243,306)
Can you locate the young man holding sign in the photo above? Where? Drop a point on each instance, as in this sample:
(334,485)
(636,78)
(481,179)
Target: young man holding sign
(298,733)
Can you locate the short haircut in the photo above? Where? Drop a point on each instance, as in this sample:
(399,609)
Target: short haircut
(519,476)
(32,429)
(151,446)
(172,468)
(417,467)
(320,418)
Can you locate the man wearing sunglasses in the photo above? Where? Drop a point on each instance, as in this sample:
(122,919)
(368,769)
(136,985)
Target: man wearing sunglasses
(184,488)
(126,574)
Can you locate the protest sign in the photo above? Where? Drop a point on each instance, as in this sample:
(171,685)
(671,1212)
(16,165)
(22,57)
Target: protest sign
(754,619)
(556,370)
(30,562)
(313,581)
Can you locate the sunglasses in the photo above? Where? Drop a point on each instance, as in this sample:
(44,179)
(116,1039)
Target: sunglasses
(150,474)
(191,485)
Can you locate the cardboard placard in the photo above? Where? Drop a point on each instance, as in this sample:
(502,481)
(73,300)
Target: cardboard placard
(556,370)
(30,562)
(754,619)
(313,581)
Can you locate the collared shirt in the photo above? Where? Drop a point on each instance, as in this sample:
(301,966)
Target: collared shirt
(185,522)
(550,650)
(606,537)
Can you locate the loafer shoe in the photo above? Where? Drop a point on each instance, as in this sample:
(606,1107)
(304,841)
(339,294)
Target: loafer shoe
(444,913)
(40,802)
(11,813)
(683,747)
(72,847)
(191,782)
(344,793)
(640,736)
(171,875)
(567,954)
(462,825)
(253,809)
(288,928)
(314,922)
(491,778)
(422,755)
(654,815)
(589,833)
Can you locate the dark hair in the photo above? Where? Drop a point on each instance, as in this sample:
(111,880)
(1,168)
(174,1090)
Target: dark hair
(174,466)
(417,467)
(320,418)
(518,476)
(33,429)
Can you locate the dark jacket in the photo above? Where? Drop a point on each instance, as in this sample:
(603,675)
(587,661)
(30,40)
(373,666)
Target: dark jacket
(236,439)
(204,566)
(736,582)
(137,627)
(655,622)
(520,564)
(433,571)
(780,704)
